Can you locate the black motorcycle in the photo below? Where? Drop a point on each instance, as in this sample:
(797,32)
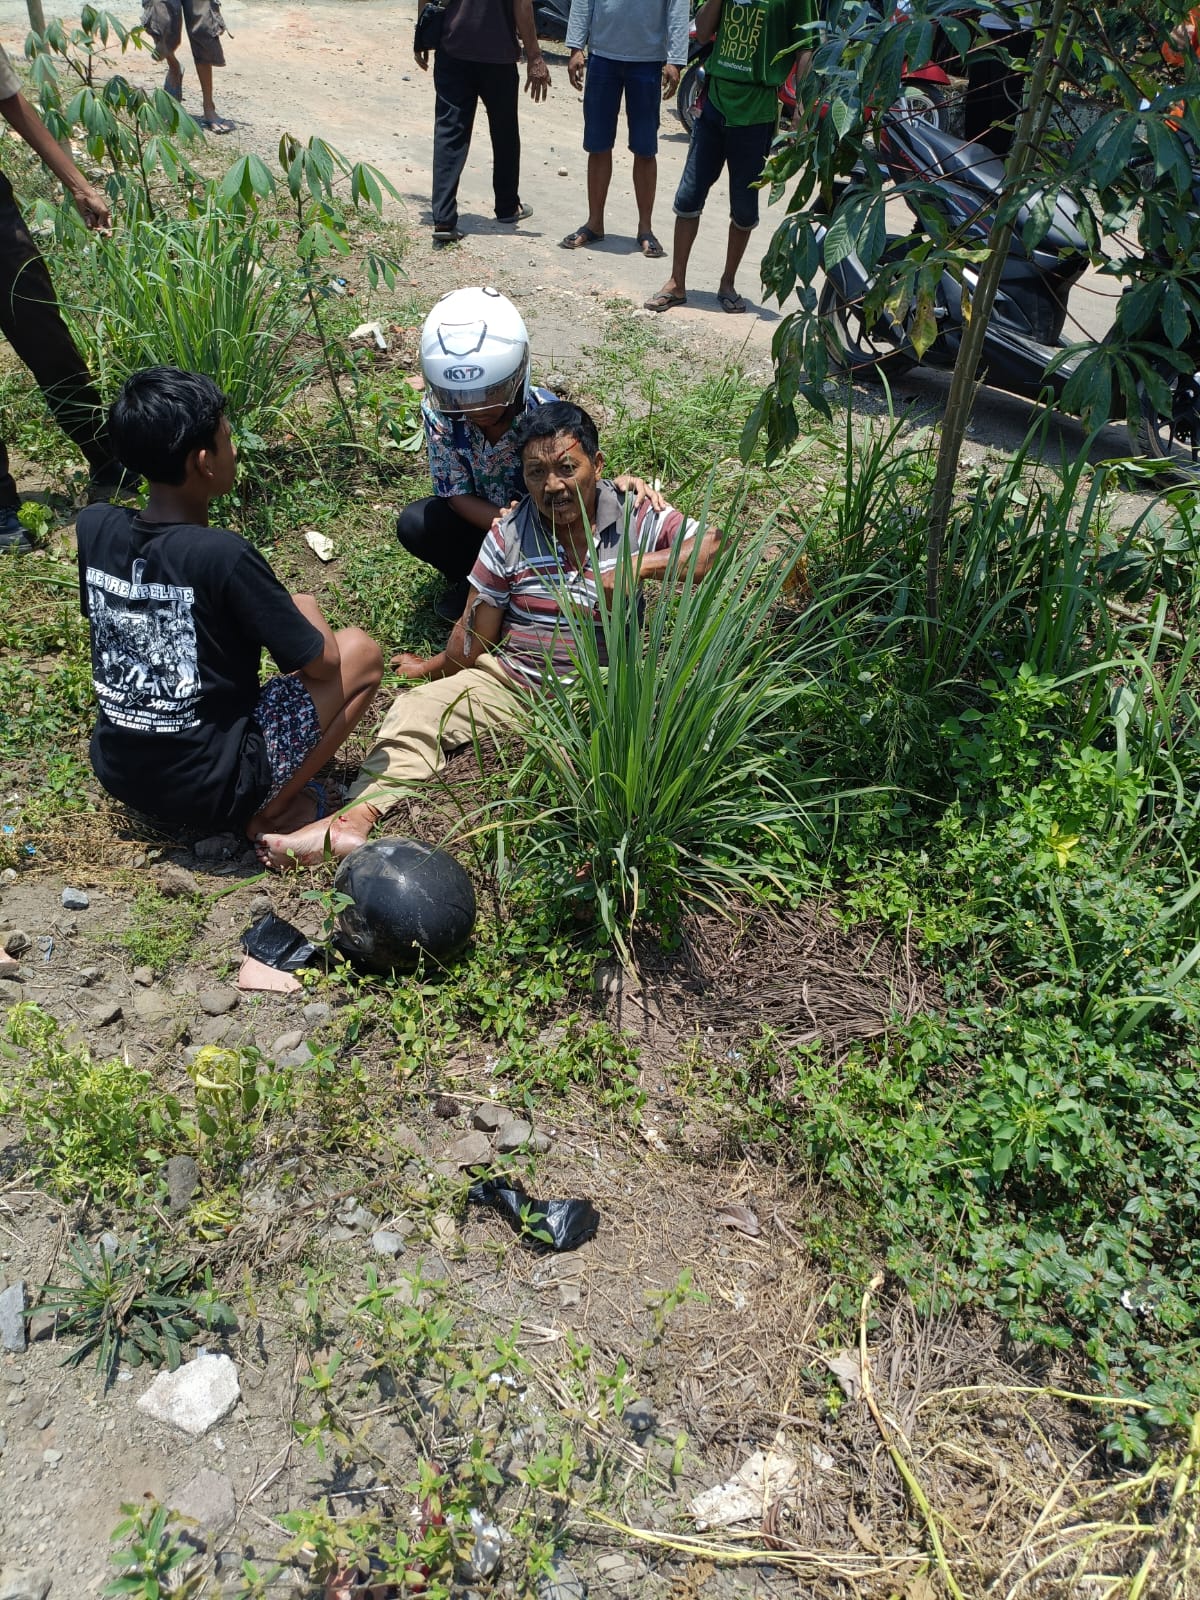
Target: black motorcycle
(1025,331)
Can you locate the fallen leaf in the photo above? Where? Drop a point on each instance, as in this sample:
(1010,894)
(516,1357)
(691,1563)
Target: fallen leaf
(733,1215)
(847,1369)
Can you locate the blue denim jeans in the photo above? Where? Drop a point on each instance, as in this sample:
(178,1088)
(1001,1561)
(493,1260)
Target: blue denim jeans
(715,145)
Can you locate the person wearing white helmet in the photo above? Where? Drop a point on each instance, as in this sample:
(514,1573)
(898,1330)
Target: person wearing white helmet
(475,363)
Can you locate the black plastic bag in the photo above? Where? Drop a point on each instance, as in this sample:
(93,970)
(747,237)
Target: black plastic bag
(545,1224)
(278,944)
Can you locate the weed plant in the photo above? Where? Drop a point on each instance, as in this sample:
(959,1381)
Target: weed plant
(162,928)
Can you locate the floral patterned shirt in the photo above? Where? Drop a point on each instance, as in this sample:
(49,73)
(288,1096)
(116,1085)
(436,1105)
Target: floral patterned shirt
(461,461)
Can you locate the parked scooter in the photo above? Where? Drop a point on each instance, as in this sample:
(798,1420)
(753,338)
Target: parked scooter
(1025,330)
(550,18)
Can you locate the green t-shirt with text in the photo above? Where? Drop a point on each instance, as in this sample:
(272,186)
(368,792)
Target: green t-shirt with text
(756,43)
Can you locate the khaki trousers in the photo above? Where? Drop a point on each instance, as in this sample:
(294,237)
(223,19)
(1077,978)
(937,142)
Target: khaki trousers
(427,723)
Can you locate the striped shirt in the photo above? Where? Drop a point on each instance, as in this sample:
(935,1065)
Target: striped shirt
(524,571)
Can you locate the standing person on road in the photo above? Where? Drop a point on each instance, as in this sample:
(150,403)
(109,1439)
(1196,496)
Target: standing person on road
(31,321)
(164,21)
(476,59)
(756,44)
(635,51)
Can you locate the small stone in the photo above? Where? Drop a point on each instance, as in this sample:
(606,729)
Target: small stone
(488,1117)
(616,1569)
(12,1317)
(211,1030)
(183,1179)
(17,942)
(561,1582)
(354,1215)
(90,975)
(294,1059)
(540,1142)
(385,1242)
(220,847)
(152,1006)
(17,1585)
(286,1042)
(639,1417)
(194,1396)
(260,905)
(207,1499)
(105,1014)
(562,172)
(443,1230)
(514,1135)
(217,1002)
(11,994)
(75,900)
(52,1457)
(471,1150)
(41,1325)
(176,882)
(143,976)
(42,1422)
(107,1244)
(316,1012)
(446,1107)
(9,875)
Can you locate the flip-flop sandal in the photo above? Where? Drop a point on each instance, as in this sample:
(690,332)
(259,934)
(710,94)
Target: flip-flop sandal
(664,301)
(217,124)
(650,247)
(581,236)
(174,90)
(730,302)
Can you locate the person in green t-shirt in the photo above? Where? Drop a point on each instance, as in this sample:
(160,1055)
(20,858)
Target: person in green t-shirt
(756,43)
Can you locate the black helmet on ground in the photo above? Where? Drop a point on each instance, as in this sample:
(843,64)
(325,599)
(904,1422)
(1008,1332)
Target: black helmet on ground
(408,900)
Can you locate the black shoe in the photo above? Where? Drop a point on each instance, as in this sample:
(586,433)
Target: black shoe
(519,215)
(12,534)
(113,483)
(444,236)
(452,602)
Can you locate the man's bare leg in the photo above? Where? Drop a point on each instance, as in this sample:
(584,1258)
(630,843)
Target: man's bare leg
(739,238)
(599,176)
(645,184)
(308,846)
(686,229)
(204,77)
(174,71)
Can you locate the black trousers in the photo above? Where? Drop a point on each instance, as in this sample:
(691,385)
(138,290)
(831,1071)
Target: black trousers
(32,323)
(460,86)
(434,532)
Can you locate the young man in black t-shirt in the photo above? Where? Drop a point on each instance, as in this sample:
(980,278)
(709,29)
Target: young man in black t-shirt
(180,614)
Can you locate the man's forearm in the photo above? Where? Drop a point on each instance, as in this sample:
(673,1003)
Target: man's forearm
(707,18)
(473,508)
(527,29)
(22,119)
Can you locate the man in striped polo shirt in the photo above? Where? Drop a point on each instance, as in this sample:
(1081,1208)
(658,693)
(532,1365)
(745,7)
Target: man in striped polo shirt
(513,634)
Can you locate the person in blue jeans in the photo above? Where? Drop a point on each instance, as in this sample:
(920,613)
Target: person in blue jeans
(635,52)
(755,45)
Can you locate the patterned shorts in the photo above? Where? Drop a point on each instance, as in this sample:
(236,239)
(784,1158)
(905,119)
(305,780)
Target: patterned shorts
(290,727)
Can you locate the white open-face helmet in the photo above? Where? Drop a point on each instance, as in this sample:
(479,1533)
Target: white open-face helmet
(474,352)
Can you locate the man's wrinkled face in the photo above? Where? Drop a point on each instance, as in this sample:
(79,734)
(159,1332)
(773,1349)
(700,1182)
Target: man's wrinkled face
(561,478)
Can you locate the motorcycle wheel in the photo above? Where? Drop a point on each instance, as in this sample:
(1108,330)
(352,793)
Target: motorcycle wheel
(690,95)
(1175,440)
(861,350)
(921,102)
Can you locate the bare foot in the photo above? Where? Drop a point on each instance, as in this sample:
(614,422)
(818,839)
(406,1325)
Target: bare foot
(308,846)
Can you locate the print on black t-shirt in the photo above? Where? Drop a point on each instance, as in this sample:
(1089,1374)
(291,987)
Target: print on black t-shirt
(145,665)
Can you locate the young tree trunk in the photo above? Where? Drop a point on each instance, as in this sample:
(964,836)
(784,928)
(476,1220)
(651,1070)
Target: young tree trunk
(37,17)
(1041,88)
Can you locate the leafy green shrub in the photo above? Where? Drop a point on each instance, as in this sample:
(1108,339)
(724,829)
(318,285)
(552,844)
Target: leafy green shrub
(130,1306)
(93,1127)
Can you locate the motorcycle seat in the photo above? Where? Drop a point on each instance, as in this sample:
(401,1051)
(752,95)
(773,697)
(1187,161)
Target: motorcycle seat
(932,153)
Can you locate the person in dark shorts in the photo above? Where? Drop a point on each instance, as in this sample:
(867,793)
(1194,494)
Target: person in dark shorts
(756,43)
(180,613)
(634,53)
(164,21)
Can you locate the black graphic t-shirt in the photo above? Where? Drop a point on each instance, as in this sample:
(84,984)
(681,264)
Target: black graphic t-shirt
(180,616)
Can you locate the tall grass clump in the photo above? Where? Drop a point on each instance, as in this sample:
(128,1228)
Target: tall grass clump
(201,292)
(661,774)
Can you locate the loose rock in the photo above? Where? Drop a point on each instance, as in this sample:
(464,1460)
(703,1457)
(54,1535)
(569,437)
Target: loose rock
(514,1135)
(105,1014)
(217,1002)
(488,1117)
(17,942)
(15,1585)
(12,1317)
(385,1242)
(472,1150)
(540,1142)
(11,994)
(260,905)
(317,1012)
(52,1457)
(195,1396)
(183,1179)
(75,900)
(299,1057)
(286,1042)
(562,1582)
(208,1500)
(143,976)
(152,1006)
(220,847)
(176,882)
